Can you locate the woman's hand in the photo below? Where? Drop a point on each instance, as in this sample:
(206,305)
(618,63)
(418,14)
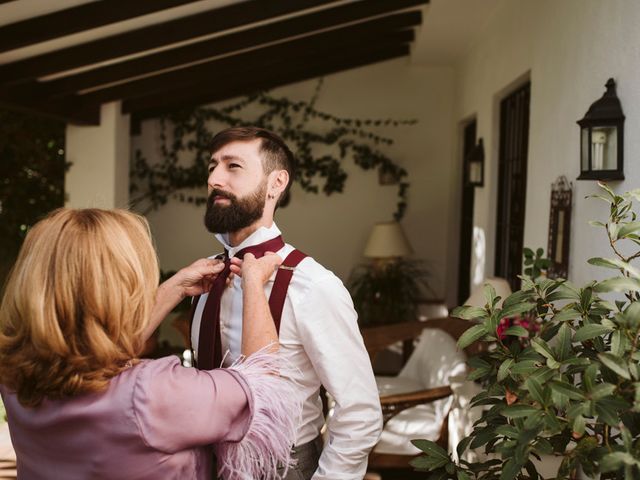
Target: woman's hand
(195,279)
(254,270)
(258,329)
(198,277)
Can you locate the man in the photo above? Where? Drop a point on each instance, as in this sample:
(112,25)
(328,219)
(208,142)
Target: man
(251,170)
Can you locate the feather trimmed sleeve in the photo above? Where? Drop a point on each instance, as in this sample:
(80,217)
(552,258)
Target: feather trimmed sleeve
(276,407)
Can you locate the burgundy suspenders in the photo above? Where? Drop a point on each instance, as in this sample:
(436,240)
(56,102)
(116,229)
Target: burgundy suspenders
(281,285)
(278,291)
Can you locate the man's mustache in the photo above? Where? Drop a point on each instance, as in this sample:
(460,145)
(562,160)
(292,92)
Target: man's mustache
(220,193)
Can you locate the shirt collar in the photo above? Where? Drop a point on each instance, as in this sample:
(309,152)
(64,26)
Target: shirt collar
(259,236)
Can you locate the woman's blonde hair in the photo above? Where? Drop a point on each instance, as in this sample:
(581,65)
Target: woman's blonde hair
(76,303)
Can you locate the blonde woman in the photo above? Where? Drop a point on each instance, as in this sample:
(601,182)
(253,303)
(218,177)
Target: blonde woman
(77,309)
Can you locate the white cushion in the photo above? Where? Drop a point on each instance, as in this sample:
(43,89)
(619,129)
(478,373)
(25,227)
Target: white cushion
(434,359)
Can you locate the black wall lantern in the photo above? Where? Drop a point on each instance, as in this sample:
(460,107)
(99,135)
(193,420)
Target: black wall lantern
(475,165)
(601,138)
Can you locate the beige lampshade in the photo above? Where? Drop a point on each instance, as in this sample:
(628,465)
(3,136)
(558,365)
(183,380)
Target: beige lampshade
(501,286)
(387,240)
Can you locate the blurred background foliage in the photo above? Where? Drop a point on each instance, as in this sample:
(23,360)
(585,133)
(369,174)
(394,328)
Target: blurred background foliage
(32,169)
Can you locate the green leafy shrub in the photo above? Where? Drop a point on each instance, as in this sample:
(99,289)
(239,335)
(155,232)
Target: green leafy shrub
(573,388)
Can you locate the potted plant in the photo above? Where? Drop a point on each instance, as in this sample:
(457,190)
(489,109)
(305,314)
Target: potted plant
(386,292)
(570,388)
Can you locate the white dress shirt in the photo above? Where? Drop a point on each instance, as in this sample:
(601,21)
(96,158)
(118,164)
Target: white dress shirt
(319,334)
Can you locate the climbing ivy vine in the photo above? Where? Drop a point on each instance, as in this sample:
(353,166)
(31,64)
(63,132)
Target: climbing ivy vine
(320,147)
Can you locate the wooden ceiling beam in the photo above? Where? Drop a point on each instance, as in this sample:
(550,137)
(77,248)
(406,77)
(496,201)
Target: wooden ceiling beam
(155,105)
(77,19)
(154,36)
(251,63)
(204,23)
(70,111)
(218,46)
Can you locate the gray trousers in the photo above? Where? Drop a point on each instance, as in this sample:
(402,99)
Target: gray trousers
(307,456)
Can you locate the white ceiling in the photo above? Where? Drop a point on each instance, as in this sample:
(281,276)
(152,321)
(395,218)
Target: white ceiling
(449,26)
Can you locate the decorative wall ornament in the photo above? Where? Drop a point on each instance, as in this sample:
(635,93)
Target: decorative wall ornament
(320,149)
(559,228)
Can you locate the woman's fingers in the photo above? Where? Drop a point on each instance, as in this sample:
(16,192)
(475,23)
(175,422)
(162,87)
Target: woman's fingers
(198,277)
(236,266)
(260,269)
(272,259)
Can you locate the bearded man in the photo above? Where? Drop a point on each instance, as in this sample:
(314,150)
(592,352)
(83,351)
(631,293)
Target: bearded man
(250,173)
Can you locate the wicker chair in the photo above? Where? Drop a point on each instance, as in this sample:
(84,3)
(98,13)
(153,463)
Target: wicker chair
(431,404)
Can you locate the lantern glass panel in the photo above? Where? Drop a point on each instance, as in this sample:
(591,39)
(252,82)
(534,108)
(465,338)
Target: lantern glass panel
(604,148)
(584,150)
(475,173)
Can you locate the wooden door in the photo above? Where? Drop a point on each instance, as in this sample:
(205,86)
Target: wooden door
(512,184)
(466,216)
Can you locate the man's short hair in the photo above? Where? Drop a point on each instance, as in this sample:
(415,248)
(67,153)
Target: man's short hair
(276,155)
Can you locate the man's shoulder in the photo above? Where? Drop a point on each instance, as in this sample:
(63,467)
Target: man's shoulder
(310,269)
(312,274)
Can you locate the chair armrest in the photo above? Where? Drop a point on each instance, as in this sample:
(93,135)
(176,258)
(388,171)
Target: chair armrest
(394,404)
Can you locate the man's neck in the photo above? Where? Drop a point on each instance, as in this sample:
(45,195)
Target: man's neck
(239,236)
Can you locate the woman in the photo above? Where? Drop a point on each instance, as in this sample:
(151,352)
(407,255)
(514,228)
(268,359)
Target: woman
(77,309)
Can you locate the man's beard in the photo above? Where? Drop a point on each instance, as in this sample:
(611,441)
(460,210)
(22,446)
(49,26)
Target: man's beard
(239,213)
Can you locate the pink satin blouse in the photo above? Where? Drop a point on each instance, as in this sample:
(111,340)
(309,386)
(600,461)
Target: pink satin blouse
(156,420)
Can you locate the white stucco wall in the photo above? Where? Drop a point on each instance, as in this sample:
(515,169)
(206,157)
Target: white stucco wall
(99,156)
(334,229)
(568,49)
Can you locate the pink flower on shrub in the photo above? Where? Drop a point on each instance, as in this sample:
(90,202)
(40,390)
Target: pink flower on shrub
(524,322)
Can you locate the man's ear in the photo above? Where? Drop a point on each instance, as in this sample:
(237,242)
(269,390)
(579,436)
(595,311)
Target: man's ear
(278,180)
